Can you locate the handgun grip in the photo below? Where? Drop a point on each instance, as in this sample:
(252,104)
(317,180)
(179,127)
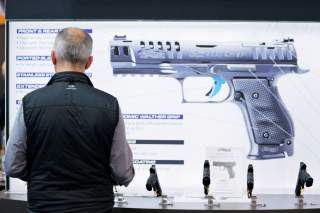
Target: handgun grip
(269,124)
(231,172)
(158,189)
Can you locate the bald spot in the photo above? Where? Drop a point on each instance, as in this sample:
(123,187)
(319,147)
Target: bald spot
(75,35)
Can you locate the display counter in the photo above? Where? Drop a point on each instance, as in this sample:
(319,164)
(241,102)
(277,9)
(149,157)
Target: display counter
(272,203)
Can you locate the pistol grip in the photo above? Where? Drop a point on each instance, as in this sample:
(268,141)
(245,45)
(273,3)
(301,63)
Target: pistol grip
(268,122)
(231,173)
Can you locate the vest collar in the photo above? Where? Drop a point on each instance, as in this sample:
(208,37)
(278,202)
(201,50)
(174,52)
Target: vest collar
(70,76)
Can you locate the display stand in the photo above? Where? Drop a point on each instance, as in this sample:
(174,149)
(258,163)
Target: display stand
(301,202)
(255,204)
(284,203)
(166,201)
(211,203)
(119,199)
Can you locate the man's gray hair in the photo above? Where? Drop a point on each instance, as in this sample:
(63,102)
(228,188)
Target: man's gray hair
(73,45)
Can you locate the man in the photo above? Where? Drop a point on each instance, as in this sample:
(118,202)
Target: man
(68,141)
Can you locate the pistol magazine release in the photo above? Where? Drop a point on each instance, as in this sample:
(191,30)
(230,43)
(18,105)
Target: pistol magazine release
(249,70)
(304,179)
(153,182)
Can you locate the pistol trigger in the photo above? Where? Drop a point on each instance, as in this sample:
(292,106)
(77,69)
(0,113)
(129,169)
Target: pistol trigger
(208,93)
(217,86)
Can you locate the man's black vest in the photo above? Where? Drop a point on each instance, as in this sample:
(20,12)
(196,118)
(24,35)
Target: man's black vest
(70,126)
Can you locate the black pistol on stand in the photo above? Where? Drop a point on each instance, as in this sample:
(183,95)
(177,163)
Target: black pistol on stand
(206,177)
(304,178)
(153,182)
(250,181)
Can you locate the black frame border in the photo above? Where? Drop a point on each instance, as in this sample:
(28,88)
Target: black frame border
(244,10)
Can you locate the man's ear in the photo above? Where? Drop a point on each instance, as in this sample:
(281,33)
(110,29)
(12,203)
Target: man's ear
(89,62)
(53,57)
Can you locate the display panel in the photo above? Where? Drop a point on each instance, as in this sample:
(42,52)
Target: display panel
(179,135)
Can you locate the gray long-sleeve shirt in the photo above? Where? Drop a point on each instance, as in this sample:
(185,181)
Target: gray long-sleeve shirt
(15,162)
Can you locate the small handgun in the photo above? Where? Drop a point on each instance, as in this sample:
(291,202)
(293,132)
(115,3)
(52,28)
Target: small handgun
(206,177)
(227,165)
(304,178)
(250,180)
(153,182)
